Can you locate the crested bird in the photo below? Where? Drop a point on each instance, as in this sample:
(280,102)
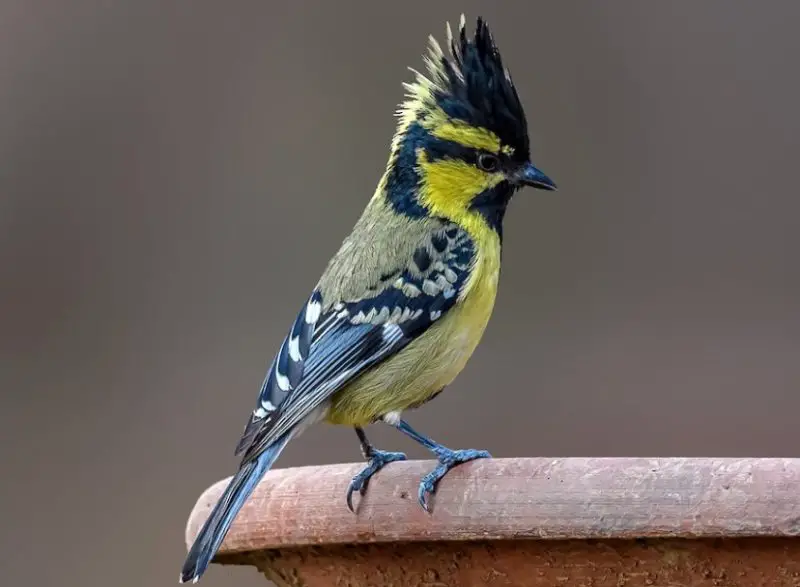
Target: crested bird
(402,305)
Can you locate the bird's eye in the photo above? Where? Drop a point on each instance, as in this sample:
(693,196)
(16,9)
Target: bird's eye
(488,162)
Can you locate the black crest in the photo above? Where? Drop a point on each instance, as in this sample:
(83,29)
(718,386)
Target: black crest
(471,84)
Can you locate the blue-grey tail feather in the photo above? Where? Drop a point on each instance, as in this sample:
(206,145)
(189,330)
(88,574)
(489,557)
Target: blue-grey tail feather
(233,498)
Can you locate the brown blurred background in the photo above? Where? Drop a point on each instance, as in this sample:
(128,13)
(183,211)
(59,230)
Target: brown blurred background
(175,175)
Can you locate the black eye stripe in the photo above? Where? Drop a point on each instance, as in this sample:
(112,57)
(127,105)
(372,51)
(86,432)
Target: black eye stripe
(437,149)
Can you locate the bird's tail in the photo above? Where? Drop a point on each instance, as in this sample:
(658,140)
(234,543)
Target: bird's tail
(216,526)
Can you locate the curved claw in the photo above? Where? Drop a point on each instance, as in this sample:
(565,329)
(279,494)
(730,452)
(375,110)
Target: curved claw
(353,487)
(377,461)
(447,460)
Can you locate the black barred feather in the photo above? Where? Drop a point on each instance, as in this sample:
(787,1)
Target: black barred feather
(286,370)
(353,335)
(425,289)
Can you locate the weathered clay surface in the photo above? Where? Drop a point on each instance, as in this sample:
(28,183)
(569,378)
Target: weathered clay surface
(761,562)
(520,522)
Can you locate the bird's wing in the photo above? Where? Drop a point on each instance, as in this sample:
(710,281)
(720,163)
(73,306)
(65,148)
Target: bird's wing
(326,349)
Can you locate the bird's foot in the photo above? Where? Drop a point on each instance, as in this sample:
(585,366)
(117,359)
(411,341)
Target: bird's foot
(447,460)
(378,459)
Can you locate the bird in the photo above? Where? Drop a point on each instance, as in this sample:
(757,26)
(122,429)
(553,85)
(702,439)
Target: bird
(404,302)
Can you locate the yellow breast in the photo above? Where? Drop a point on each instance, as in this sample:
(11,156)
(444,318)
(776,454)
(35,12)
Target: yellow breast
(431,361)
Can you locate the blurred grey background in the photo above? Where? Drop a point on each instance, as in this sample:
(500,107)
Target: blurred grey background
(175,175)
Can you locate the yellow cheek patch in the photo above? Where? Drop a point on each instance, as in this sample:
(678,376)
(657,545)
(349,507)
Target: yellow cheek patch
(449,186)
(458,131)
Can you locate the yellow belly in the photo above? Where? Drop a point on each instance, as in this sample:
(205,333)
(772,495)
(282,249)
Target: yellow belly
(429,362)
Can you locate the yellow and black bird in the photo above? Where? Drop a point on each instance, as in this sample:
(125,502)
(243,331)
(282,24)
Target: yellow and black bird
(404,302)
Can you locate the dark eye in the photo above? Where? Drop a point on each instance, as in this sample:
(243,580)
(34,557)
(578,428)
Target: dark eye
(488,162)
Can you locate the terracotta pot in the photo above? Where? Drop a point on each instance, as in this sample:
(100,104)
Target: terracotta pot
(525,522)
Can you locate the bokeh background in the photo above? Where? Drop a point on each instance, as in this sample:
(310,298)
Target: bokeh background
(175,175)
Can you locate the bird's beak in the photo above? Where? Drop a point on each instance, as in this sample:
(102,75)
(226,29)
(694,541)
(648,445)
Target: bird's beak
(530,175)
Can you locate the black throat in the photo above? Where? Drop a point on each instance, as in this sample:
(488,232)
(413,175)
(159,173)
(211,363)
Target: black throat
(492,205)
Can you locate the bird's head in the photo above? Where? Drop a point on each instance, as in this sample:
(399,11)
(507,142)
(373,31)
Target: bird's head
(461,149)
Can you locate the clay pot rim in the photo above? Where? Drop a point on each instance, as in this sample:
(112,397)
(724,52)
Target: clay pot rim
(519,499)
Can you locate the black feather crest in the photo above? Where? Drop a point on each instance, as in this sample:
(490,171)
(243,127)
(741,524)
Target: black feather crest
(472,85)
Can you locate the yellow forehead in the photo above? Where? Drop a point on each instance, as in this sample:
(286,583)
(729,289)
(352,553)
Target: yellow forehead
(466,135)
(458,131)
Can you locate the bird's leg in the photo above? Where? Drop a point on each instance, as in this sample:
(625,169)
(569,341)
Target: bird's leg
(377,459)
(447,458)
